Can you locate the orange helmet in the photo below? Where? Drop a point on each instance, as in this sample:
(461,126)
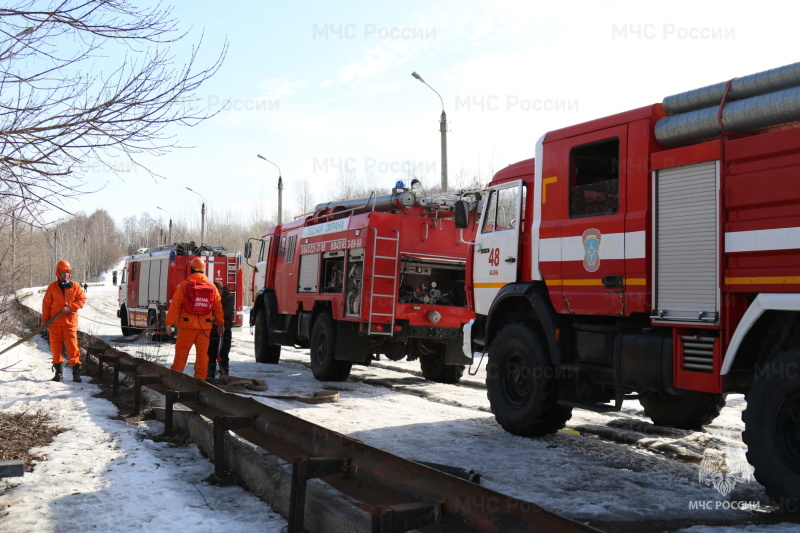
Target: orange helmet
(198,264)
(62,266)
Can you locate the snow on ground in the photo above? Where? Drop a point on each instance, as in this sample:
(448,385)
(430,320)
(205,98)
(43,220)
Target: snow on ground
(109,474)
(105,474)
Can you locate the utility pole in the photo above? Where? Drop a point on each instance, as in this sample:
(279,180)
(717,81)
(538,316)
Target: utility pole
(169,239)
(202,216)
(442,131)
(280,189)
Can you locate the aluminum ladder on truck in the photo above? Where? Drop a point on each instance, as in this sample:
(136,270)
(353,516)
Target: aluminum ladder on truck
(387,261)
(231,268)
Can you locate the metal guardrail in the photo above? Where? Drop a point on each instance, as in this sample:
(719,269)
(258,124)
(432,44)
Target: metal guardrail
(400,494)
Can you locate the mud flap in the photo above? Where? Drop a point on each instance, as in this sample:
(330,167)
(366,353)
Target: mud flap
(454,353)
(349,345)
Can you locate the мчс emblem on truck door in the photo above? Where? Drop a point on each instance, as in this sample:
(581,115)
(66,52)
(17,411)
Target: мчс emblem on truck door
(591,250)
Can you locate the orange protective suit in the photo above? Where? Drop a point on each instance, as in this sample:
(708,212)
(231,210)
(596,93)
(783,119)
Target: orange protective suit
(193,329)
(64,331)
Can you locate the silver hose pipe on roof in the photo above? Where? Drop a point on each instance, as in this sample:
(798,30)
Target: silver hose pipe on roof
(748,115)
(387,202)
(759,83)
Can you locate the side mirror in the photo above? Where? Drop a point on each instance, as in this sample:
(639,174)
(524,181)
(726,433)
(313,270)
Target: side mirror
(462,214)
(248,249)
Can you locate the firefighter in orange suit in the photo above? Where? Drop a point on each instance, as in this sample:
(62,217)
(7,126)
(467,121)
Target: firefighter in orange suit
(194,329)
(66,296)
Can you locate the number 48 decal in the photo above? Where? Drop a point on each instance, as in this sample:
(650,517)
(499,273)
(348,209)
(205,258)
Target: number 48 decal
(494,257)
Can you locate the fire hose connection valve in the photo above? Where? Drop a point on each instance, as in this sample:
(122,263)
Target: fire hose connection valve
(435,316)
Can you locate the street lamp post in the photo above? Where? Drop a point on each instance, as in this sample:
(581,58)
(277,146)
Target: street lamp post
(280,189)
(442,130)
(202,216)
(169,239)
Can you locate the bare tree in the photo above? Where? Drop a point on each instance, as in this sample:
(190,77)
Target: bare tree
(304,198)
(259,220)
(349,187)
(141,232)
(466,181)
(83,82)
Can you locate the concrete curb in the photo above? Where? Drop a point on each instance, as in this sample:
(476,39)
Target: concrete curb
(270,478)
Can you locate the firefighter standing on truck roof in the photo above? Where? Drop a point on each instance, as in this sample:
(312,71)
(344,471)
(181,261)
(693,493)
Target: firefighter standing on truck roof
(194,329)
(66,297)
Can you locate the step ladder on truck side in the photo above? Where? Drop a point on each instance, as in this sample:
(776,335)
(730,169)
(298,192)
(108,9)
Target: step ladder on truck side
(384,280)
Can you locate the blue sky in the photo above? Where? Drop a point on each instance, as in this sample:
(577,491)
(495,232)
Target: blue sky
(322,87)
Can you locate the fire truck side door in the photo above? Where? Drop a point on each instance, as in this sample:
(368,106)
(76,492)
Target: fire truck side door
(133,284)
(496,249)
(264,257)
(593,234)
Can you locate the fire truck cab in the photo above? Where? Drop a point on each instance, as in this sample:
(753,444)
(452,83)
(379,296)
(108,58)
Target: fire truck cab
(652,255)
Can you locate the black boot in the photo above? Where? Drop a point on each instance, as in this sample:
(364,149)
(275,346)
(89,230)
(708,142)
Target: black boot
(76,373)
(59,372)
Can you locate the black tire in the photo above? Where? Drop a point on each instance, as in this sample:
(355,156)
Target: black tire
(265,352)
(683,412)
(158,334)
(772,428)
(521,384)
(434,368)
(152,320)
(123,320)
(323,351)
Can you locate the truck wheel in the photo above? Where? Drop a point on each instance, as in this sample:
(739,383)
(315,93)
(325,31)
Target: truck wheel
(265,352)
(521,384)
(683,412)
(323,351)
(434,368)
(772,428)
(157,333)
(123,320)
(152,320)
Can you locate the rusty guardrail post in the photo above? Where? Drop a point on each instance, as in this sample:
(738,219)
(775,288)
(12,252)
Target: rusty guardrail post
(223,423)
(170,398)
(303,469)
(120,366)
(102,359)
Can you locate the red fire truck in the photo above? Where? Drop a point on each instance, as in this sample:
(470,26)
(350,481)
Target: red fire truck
(652,255)
(382,275)
(150,277)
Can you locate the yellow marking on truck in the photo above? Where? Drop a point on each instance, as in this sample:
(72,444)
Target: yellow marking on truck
(764,280)
(545,183)
(574,282)
(490,285)
(586,282)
